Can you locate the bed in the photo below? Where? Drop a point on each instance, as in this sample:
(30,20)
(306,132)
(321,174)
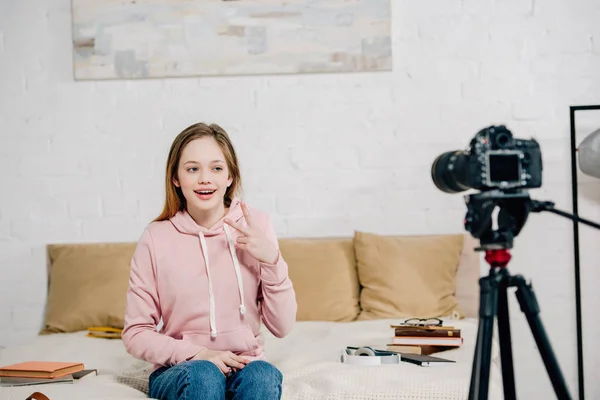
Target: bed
(309,356)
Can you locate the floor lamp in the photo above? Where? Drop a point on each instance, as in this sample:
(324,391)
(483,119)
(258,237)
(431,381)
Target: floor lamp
(580,374)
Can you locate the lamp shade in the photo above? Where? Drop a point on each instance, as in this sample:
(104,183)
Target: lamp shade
(589,154)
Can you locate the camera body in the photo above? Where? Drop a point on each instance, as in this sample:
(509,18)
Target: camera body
(499,161)
(494,160)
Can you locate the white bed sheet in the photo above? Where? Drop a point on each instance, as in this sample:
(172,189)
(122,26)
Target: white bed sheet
(308,358)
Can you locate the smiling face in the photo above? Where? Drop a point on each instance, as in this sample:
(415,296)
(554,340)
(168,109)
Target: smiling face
(203,177)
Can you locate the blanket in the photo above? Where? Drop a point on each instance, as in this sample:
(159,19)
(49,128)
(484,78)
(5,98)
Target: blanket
(308,359)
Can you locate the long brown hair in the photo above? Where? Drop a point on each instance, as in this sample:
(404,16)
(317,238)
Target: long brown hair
(174,199)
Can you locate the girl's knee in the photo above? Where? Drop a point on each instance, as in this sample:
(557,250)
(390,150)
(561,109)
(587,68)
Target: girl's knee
(258,380)
(262,370)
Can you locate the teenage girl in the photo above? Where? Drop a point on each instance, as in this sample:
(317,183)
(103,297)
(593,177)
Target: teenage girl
(210,267)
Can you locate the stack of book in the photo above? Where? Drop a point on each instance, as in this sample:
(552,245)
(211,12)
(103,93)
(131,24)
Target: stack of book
(43,372)
(424,339)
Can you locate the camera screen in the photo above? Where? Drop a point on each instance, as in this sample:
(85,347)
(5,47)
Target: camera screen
(504,168)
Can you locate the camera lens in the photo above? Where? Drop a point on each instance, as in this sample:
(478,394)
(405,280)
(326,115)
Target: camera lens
(448,170)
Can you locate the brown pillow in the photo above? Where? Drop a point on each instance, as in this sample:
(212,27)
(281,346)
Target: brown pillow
(88,286)
(407,276)
(323,272)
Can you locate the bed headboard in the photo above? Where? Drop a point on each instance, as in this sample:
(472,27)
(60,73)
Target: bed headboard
(88,281)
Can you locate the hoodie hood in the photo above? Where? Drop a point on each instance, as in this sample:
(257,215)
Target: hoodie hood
(185,224)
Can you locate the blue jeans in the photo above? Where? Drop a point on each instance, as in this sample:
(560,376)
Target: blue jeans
(194,380)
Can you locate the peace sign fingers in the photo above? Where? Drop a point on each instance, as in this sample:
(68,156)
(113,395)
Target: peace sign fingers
(253,240)
(246,213)
(237,226)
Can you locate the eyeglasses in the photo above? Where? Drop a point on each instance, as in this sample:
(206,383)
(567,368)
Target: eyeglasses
(423,322)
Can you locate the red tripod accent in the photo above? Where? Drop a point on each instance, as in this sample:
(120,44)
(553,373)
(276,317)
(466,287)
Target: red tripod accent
(497,258)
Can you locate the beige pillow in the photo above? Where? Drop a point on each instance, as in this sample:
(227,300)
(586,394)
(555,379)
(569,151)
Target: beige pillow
(88,286)
(323,272)
(467,277)
(407,276)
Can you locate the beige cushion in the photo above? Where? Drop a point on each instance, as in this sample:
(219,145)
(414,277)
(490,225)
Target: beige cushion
(88,282)
(408,276)
(467,278)
(88,286)
(323,272)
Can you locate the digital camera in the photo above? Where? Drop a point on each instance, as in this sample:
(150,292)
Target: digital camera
(494,160)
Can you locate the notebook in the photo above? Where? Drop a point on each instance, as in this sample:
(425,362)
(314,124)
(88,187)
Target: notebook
(40,369)
(12,381)
(71,378)
(424,360)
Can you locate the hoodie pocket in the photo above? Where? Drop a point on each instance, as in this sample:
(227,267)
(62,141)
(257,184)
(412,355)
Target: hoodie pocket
(239,340)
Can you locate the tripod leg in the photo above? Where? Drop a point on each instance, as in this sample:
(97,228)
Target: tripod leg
(488,302)
(508,377)
(474,385)
(531,309)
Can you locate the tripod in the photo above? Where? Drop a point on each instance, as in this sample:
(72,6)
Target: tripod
(514,206)
(494,302)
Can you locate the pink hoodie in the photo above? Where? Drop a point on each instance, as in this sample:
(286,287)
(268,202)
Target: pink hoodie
(208,294)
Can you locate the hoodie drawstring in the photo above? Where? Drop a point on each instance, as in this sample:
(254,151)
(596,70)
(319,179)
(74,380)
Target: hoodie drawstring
(236,266)
(211,296)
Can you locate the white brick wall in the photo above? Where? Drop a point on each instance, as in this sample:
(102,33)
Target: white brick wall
(83,161)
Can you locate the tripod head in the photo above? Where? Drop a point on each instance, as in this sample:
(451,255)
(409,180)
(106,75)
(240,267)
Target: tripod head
(514,206)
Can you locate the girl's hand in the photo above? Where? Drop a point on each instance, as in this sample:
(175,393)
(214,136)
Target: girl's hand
(254,240)
(225,360)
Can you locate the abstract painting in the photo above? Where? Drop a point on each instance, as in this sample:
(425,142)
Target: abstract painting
(118,39)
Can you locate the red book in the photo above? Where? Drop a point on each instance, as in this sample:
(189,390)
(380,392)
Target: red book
(41,369)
